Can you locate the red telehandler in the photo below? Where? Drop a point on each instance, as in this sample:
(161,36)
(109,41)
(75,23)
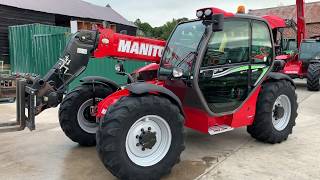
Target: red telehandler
(304,60)
(214,76)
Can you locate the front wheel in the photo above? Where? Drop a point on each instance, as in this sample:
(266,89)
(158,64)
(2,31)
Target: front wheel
(76,114)
(276,112)
(313,77)
(141,137)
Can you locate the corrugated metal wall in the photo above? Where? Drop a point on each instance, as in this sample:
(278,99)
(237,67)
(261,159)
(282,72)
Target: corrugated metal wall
(36,48)
(46,51)
(10,16)
(22,41)
(105,68)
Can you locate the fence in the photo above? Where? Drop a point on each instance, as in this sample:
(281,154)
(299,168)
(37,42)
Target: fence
(36,48)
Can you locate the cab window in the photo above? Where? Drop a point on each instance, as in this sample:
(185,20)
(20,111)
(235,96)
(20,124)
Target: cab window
(228,46)
(223,78)
(261,43)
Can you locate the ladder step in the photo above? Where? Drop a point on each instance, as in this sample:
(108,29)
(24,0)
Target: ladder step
(217,129)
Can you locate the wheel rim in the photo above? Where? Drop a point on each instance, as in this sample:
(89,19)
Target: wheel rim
(151,152)
(281,112)
(85,120)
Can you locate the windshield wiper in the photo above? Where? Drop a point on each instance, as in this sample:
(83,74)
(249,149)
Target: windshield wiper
(186,57)
(183,60)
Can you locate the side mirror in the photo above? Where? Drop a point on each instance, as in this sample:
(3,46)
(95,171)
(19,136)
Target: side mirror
(119,67)
(121,71)
(217,22)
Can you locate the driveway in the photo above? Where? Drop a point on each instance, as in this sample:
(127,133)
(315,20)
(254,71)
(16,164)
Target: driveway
(48,154)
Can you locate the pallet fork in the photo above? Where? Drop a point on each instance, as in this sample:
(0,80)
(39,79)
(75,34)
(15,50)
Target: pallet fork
(26,99)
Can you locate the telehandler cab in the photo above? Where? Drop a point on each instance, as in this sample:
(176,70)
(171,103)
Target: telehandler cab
(214,76)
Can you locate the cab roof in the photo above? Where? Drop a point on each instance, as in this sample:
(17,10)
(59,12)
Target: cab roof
(273,21)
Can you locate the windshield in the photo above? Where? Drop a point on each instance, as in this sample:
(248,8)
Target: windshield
(309,50)
(182,47)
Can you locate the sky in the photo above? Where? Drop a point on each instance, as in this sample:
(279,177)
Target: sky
(158,12)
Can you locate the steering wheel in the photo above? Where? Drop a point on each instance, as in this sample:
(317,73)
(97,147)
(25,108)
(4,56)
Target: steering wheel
(215,57)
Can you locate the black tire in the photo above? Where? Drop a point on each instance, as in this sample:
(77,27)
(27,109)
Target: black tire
(69,109)
(262,128)
(313,77)
(111,136)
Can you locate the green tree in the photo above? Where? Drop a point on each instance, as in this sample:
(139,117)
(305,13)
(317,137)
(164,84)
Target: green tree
(144,29)
(168,27)
(161,32)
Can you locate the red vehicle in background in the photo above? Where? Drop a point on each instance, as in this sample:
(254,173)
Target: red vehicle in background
(300,57)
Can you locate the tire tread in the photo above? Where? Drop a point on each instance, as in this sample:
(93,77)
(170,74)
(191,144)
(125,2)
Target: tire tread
(116,117)
(262,128)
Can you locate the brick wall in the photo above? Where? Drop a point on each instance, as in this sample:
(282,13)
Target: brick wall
(313,30)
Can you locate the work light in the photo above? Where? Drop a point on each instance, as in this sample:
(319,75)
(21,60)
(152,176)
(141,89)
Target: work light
(208,12)
(199,14)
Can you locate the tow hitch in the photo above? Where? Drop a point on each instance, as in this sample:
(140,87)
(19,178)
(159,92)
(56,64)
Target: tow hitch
(25,109)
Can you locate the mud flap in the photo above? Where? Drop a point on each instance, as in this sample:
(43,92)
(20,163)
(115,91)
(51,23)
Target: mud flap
(26,99)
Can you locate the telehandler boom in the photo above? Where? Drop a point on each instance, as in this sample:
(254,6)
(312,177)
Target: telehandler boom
(38,94)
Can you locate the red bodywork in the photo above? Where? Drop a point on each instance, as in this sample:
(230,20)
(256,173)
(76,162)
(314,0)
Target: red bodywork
(275,21)
(294,68)
(110,100)
(301,23)
(149,67)
(195,118)
(201,121)
(128,47)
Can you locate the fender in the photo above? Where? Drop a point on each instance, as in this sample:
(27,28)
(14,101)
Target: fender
(279,76)
(149,67)
(100,80)
(144,88)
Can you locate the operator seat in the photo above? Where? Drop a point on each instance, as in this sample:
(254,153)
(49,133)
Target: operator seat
(237,55)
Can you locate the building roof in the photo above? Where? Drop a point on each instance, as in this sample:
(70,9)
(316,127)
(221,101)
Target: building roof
(312,11)
(74,8)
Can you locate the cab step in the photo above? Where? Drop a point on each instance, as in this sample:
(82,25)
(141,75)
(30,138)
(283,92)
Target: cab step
(217,129)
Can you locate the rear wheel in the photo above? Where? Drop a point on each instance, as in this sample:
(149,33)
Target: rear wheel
(141,137)
(276,112)
(313,77)
(76,115)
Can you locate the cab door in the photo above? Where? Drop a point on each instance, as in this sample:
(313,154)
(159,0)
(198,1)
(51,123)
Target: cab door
(232,66)
(261,52)
(224,72)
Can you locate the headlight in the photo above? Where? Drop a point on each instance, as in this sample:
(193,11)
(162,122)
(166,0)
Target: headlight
(199,14)
(177,72)
(118,67)
(105,41)
(208,12)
